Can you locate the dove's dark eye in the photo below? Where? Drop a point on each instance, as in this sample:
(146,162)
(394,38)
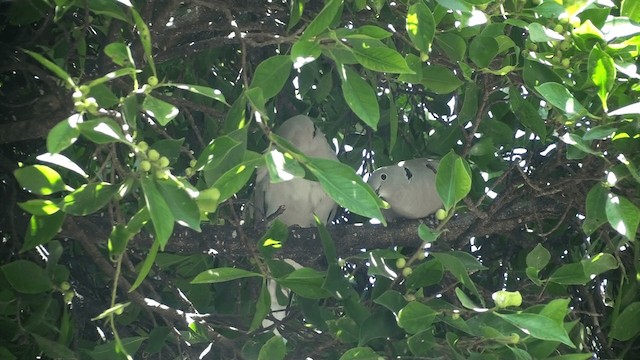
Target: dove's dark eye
(383,176)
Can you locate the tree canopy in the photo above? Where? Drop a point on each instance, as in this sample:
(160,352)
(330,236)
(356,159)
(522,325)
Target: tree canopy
(130,132)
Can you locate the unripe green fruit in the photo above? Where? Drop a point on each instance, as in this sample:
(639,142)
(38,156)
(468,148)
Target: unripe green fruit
(64,286)
(118,311)
(153,81)
(143,146)
(558,28)
(566,62)
(164,162)
(85,90)
(188,172)
(77,96)
(401,263)
(410,297)
(68,296)
(79,106)
(565,45)
(441,214)
(153,155)
(406,271)
(161,174)
(193,163)
(421,255)
(145,165)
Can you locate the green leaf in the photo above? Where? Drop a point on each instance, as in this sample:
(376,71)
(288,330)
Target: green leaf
(539,33)
(223,274)
(234,179)
(109,8)
(391,300)
(160,110)
(39,207)
(160,213)
(64,134)
(39,179)
(598,264)
(146,265)
(360,97)
(273,349)
(504,299)
(631,9)
(183,207)
(271,75)
(558,96)
(361,353)
(482,50)
(305,282)
(88,199)
(466,301)
(527,113)
(453,179)
(282,166)
(41,229)
(346,187)
(602,72)
(453,46)
(26,277)
(304,52)
(595,209)
(145,38)
(539,257)
(422,343)
(599,132)
(539,327)
(379,58)
(440,79)
(336,283)
(626,326)
(427,234)
(420,26)
(457,268)
(416,317)
(214,94)
(570,274)
(111,350)
(426,274)
(119,53)
(263,307)
(273,239)
(323,20)
(623,215)
(52,67)
(53,349)
(102,131)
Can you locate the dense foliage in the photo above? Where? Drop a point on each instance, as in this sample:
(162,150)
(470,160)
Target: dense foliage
(130,132)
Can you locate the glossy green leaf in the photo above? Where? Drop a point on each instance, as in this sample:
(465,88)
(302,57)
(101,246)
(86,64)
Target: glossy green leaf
(416,317)
(41,229)
(458,269)
(440,79)
(346,187)
(595,209)
(304,52)
(282,166)
(273,349)
(623,215)
(453,45)
(26,277)
(527,114)
(422,343)
(111,350)
(631,9)
(52,67)
(420,26)
(119,53)
(558,96)
(382,59)
(64,134)
(427,234)
(88,198)
(626,326)
(539,33)
(149,260)
(234,179)
(62,161)
(599,263)
(39,179)
(360,97)
(263,306)
(108,8)
(453,179)
(160,110)
(305,282)
(466,301)
(570,274)
(539,257)
(159,211)
(392,300)
(214,94)
(482,50)
(539,327)
(458,5)
(426,274)
(602,72)
(323,19)
(223,274)
(102,131)
(145,38)
(272,74)
(360,353)
(39,207)
(183,207)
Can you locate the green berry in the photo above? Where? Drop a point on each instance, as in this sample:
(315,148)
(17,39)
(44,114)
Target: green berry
(441,214)
(145,165)
(77,96)
(68,296)
(152,80)
(421,255)
(189,172)
(153,155)
(65,286)
(558,28)
(79,106)
(566,62)
(193,163)
(406,271)
(143,146)
(565,45)
(163,162)
(85,90)
(401,263)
